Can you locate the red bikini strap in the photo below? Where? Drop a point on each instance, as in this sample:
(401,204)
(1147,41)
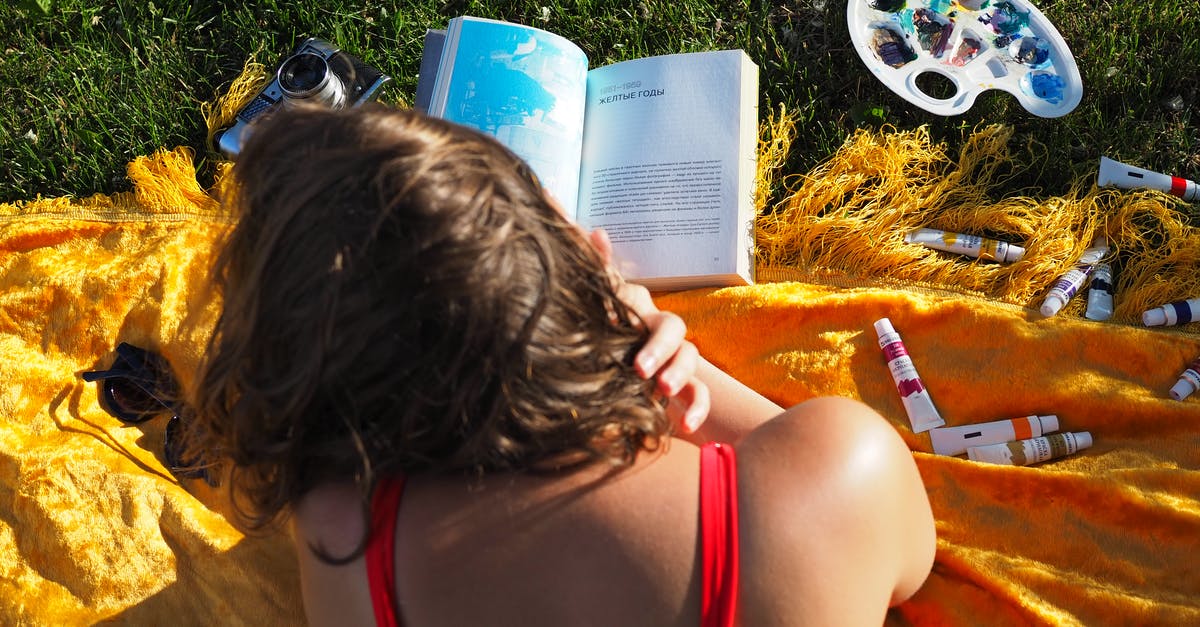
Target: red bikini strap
(381,551)
(718,535)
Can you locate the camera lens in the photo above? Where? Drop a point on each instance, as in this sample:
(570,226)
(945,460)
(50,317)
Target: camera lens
(303,73)
(306,76)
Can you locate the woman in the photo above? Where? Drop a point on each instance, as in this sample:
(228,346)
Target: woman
(469,419)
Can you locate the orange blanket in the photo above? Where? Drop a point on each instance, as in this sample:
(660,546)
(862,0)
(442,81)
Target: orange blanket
(93,528)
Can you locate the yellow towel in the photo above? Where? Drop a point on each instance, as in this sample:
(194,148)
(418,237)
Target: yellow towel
(93,528)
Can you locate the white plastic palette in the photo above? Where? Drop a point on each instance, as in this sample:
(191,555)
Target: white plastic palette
(976,44)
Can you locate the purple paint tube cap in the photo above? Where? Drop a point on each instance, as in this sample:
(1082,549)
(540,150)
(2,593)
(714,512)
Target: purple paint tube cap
(1049,423)
(1154,317)
(1182,389)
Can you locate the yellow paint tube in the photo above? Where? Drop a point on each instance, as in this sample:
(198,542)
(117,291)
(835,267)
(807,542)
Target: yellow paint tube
(1033,450)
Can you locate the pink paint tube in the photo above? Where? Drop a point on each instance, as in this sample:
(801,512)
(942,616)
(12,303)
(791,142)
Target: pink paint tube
(922,415)
(1189,381)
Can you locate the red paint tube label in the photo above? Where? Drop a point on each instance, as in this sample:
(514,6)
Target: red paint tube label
(1178,186)
(907,387)
(894,351)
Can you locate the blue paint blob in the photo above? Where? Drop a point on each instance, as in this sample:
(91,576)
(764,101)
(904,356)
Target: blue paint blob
(1044,85)
(1031,51)
(941,6)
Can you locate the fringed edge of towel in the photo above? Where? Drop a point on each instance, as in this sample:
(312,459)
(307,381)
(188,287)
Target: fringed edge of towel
(847,218)
(165,188)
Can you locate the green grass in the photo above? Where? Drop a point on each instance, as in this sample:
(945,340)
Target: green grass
(87,86)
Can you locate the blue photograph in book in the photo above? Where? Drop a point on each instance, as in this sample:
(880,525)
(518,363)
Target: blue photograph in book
(522,85)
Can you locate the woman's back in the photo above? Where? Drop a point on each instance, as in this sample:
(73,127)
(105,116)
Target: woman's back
(605,547)
(593,546)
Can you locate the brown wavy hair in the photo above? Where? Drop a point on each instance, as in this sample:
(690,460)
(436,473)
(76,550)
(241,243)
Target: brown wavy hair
(400,297)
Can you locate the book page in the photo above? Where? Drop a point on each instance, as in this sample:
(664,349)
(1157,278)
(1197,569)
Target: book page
(663,145)
(524,86)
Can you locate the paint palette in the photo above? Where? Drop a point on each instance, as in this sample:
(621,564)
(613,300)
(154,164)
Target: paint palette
(973,45)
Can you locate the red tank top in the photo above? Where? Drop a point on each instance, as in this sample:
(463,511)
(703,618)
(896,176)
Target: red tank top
(718,541)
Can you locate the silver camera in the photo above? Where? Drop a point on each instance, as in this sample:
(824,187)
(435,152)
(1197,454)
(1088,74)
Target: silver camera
(317,72)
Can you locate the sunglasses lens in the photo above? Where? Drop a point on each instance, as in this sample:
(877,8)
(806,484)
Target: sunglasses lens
(130,402)
(173,452)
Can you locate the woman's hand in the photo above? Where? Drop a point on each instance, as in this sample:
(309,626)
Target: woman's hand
(667,355)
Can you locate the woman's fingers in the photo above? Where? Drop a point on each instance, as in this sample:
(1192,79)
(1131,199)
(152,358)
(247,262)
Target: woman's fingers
(602,244)
(638,299)
(690,406)
(667,333)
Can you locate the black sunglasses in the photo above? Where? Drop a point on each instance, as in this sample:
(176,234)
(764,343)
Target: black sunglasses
(139,386)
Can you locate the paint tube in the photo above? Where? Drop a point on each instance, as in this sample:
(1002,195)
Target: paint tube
(922,415)
(956,440)
(1033,450)
(1189,381)
(1126,176)
(1065,287)
(1170,314)
(969,245)
(1100,293)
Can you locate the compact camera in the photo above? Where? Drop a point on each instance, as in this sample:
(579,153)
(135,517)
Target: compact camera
(316,71)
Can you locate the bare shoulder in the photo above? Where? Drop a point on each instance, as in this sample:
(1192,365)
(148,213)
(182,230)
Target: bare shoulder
(330,519)
(835,522)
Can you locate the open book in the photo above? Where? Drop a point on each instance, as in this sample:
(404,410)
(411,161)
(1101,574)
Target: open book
(660,151)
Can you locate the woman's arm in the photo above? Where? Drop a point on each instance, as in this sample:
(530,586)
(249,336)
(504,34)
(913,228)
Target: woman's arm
(711,404)
(708,403)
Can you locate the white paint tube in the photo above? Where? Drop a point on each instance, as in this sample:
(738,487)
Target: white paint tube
(1179,312)
(1189,381)
(1100,293)
(1127,176)
(956,440)
(969,245)
(922,415)
(1033,450)
(1065,287)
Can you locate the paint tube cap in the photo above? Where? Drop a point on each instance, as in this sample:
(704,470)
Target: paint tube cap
(1014,253)
(1052,304)
(1083,439)
(883,326)
(1182,389)
(1154,317)
(1049,423)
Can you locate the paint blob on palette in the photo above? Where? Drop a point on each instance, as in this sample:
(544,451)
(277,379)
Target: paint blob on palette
(968,46)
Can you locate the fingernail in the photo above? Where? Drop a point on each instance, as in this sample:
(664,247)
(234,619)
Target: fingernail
(647,363)
(668,386)
(692,420)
